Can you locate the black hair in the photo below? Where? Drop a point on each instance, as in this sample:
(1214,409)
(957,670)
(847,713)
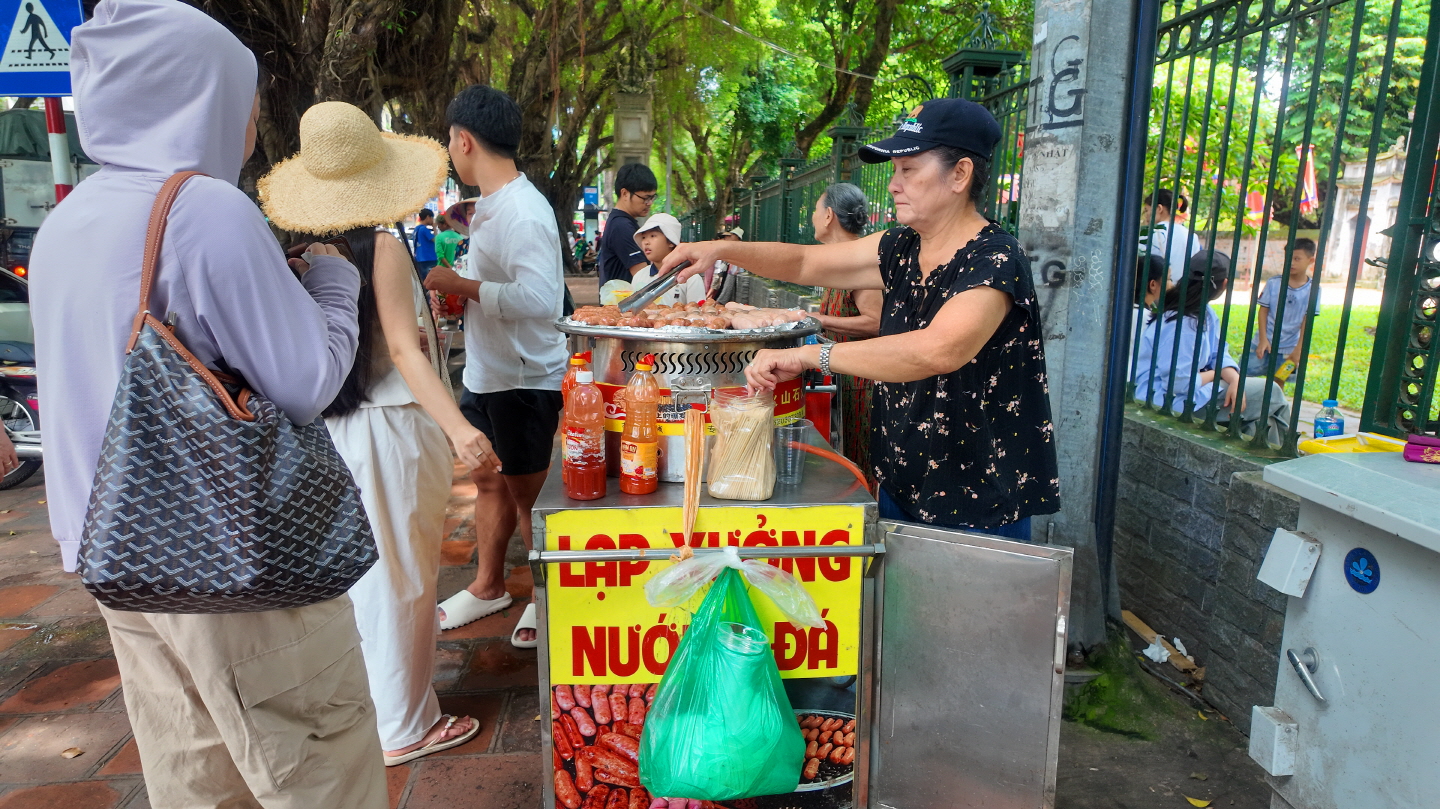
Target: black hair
(1306,245)
(1195,291)
(490,116)
(950,156)
(352,391)
(635,177)
(425,213)
(1150,268)
(851,208)
(1166,197)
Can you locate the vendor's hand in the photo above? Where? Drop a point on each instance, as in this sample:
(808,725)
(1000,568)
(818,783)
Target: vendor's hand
(771,366)
(444,280)
(474,450)
(299,264)
(701,255)
(674,803)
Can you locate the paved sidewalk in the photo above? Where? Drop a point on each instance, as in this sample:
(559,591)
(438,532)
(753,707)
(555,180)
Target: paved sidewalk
(59,688)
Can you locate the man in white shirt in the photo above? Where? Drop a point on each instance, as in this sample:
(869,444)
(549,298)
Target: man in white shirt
(514,357)
(1169,238)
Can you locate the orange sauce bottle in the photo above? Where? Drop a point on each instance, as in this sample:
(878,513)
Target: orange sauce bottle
(640,442)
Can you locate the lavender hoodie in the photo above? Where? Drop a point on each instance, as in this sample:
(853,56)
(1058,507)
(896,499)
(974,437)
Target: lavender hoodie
(160,87)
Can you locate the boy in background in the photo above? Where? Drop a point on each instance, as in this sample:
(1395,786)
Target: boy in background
(1298,301)
(425,242)
(447,242)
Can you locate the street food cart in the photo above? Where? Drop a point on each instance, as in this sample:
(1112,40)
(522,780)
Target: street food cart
(942,653)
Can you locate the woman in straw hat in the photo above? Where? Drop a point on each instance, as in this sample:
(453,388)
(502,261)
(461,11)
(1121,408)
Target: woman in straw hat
(394,412)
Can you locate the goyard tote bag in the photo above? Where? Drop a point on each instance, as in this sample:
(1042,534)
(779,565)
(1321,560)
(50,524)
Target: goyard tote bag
(208,501)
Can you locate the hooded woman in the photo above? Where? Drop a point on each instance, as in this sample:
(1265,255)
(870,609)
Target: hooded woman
(264,708)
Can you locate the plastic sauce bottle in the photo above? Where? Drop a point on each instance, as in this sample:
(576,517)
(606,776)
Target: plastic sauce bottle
(578,363)
(583,461)
(1329,421)
(640,443)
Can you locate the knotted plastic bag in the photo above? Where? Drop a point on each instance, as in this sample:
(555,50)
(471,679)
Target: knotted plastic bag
(721,726)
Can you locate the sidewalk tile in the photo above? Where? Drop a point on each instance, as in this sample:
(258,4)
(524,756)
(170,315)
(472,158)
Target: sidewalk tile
(125,762)
(395,780)
(67,639)
(496,664)
(521,582)
(484,708)
(84,795)
(520,729)
(141,799)
(30,752)
(16,601)
(486,782)
(458,552)
(13,634)
(66,688)
(499,625)
(449,665)
(74,602)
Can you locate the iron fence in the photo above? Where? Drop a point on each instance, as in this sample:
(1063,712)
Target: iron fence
(1268,121)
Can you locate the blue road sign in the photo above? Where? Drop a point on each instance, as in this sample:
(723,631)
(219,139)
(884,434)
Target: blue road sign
(592,195)
(36,60)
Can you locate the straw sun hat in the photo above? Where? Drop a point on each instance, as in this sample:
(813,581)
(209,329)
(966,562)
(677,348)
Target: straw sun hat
(350,174)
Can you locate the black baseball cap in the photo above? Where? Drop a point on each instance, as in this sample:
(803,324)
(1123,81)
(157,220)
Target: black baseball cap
(939,122)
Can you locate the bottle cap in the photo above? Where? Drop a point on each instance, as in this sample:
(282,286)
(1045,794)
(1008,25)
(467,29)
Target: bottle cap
(646,363)
(584,377)
(1329,403)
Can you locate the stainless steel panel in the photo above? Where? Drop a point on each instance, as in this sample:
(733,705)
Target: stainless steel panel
(971,665)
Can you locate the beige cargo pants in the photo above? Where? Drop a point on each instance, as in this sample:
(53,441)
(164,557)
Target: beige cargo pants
(262,709)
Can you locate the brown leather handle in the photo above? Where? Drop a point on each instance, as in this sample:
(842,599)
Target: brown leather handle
(154,239)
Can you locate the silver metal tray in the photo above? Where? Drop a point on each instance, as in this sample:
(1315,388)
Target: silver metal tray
(673,334)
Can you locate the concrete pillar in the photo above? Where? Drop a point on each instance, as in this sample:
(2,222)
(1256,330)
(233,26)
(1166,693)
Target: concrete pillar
(1079,61)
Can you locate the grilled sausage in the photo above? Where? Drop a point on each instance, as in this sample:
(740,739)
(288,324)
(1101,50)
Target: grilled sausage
(563,747)
(812,769)
(824,751)
(584,775)
(633,731)
(830,724)
(619,705)
(582,696)
(621,744)
(637,712)
(637,690)
(556,760)
(583,721)
(572,730)
(849,757)
(597,798)
(811,735)
(650,693)
(639,799)
(825,735)
(811,748)
(565,790)
(619,779)
(837,756)
(600,757)
(600,704)
(564,697)
(619,799)
(849,726)
(850,739)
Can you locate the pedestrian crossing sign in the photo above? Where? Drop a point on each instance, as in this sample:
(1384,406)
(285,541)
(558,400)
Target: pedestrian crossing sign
(36,59)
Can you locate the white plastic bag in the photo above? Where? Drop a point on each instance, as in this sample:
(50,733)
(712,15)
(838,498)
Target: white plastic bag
(679,584)
(614,291)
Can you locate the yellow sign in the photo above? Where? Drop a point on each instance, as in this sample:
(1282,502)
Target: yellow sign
(602,630)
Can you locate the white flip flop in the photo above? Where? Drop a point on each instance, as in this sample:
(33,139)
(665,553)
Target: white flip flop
(437,746)
(527,621)
(464,608)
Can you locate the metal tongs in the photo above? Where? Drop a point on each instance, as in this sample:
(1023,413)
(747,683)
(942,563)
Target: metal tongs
(648,293)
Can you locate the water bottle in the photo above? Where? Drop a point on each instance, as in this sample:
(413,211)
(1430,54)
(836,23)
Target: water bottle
(1329,421)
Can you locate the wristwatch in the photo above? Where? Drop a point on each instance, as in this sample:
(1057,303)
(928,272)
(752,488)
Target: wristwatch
(825,358)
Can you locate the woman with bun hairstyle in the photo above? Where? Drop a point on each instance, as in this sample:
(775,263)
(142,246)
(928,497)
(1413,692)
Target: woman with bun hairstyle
(842,214)
(393,414)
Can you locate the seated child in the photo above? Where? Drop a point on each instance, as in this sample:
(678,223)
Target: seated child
(1183,316)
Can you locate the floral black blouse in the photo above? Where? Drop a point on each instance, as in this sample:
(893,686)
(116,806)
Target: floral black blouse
(974,447)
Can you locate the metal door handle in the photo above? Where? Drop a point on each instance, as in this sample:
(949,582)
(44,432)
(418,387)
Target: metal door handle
(1306,664)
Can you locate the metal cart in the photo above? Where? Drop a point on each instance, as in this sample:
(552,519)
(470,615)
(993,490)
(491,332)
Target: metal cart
(957,640)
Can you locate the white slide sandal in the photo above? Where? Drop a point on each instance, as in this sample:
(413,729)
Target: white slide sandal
(527,621)
(464,608)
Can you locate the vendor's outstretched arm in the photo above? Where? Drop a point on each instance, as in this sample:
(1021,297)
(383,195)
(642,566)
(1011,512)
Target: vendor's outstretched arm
(953,338)
(844,265)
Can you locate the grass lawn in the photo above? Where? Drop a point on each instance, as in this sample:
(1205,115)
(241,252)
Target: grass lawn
(1356,369)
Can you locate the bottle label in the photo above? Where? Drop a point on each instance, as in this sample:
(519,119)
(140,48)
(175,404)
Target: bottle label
(578,444)
(1326,427)
(640,459)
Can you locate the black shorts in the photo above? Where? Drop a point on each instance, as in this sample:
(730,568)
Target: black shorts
(520,424)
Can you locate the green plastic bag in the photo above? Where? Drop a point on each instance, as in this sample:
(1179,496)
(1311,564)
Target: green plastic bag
(721,726)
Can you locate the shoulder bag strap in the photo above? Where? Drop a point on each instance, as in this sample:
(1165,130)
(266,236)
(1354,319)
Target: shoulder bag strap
(154,238)
(236,406)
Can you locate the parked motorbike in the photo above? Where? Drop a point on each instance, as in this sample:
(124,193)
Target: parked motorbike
(19,399)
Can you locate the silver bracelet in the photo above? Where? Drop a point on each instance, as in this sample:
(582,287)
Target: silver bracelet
(825,358)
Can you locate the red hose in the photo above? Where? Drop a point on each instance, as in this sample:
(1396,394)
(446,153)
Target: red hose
(836,457)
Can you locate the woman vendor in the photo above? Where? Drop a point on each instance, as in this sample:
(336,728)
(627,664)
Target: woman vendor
(961,435)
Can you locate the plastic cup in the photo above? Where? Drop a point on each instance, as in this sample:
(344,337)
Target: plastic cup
(790,461)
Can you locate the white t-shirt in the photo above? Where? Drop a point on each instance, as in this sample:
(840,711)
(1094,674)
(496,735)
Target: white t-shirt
(1187,244)
(510,337)
(691,291)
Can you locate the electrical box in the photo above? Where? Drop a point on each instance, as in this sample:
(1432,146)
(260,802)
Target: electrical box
(1274,739)
(1290,562)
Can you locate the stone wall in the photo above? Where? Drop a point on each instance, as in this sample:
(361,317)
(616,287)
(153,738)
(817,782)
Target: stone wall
(1193,523)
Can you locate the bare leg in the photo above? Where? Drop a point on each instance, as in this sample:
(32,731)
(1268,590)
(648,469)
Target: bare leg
(524,489)
(501,503)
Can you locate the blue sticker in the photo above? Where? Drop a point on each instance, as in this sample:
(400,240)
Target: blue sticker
(1362,571)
